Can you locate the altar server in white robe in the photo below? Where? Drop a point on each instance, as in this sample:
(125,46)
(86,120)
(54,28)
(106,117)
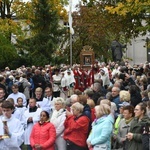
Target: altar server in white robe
(12,127)
(17,94)
(32,116)
(70,82)
(64,89)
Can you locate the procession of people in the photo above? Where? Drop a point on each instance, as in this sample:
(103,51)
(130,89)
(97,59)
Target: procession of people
(100,107)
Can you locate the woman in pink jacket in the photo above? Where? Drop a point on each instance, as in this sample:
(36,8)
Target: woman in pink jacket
(43,134)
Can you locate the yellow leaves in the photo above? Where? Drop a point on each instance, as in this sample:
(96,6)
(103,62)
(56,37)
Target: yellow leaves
(8,26)
(120,5)
(57,5)
(118,10)
(109,8)
(133,7)
(136,1)
(130,1)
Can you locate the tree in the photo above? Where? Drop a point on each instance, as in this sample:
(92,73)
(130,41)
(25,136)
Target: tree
(138,11)
(8,53)
(15,18)
(46,35)
(15,14)
(8,25)
(95,27)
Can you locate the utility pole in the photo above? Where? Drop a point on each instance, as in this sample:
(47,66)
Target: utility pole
(71,30)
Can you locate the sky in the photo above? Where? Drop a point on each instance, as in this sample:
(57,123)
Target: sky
(74,3)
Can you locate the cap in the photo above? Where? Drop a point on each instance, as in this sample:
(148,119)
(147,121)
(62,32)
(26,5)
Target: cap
(124,104)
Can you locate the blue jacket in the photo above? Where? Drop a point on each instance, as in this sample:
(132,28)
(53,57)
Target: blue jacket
(101,131)
(117,101)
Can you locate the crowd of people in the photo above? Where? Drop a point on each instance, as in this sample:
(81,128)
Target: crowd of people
(102,107)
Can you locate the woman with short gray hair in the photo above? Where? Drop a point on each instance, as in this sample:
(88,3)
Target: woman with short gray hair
(58,118)
(76,128)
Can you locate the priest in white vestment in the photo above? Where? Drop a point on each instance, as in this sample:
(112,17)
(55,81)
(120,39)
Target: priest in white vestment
(32,116)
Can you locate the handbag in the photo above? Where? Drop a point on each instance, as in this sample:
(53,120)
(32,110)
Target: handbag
(100,147)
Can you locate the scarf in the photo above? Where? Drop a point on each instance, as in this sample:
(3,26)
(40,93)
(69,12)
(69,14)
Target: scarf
(128,121)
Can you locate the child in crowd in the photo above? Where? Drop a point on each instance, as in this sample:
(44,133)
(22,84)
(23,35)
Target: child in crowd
(20,106)
(21,110)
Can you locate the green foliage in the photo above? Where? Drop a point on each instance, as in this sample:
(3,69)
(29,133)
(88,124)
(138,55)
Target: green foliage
(47,34)
(8,53)
(98,23)
(97,28)
(8,25)
(135,15)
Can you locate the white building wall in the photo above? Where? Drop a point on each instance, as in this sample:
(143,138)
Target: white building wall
(137,50)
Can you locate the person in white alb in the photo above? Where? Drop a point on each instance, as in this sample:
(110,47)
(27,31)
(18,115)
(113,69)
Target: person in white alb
(32,116)
(64,89)
(70,82)
(56,83)
(10,126)
(16,94)
(115,71)
(105,79)
(97,75)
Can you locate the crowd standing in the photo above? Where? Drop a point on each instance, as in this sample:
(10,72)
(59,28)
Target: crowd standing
(100,107)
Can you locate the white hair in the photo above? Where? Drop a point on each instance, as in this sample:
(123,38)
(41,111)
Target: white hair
(60,100)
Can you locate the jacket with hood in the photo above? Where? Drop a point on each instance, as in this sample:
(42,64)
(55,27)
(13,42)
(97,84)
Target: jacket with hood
(101,131)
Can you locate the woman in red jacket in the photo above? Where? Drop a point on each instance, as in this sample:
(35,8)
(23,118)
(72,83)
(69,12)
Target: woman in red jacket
(43,134)
(76,128)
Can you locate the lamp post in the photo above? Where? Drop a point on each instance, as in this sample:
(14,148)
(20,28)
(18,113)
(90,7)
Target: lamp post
(71,29)
(148,48)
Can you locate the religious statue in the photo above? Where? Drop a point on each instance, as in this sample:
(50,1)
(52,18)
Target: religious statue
(116,48)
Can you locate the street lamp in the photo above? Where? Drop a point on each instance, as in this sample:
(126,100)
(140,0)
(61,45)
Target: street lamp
(148,48)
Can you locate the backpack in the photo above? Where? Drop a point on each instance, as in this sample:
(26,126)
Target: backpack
(21,87)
